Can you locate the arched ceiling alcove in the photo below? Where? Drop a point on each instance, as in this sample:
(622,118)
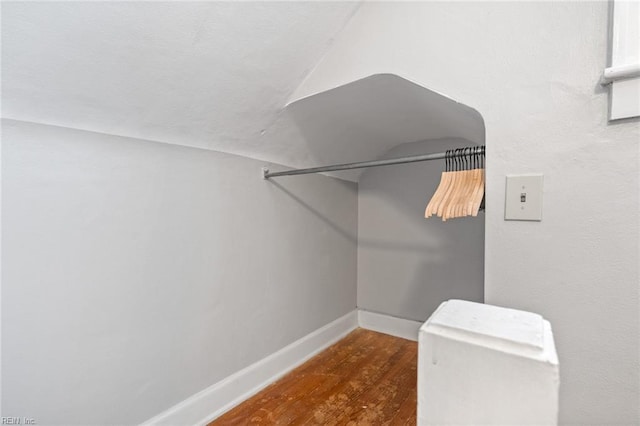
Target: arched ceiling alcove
(365,119)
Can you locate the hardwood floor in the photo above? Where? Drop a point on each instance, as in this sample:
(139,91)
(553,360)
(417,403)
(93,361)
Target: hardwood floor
(367,378)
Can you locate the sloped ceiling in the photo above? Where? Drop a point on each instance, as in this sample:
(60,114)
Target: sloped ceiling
(214,75)
(365,118)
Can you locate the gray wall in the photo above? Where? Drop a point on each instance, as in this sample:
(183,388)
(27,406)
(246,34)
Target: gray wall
(136,274)
(408,265)
(532,69)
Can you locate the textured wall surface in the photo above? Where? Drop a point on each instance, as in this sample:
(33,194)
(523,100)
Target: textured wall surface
(213,74)
(408,265)
(532,71)
(135,274)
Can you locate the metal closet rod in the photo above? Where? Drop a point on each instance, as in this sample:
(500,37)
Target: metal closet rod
(266,174)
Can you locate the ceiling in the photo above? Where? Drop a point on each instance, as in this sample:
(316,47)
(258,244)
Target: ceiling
(366,118)
(213,75)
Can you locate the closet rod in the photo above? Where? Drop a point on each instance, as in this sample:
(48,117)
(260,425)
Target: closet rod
(266,174)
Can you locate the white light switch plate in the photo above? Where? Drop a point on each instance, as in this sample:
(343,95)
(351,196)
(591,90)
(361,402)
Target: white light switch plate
(523,198)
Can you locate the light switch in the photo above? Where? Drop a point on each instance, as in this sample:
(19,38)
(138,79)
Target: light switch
(523,198)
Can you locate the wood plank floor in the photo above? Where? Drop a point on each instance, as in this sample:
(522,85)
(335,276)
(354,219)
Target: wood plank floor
(367,378)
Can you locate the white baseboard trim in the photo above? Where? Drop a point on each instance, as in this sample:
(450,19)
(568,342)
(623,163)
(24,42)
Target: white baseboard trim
(219,398)
(399,327)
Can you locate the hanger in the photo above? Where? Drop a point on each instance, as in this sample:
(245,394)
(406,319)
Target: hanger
(438,196)
(475,182)
(444,207)
(478,195)
(449,209)
(467,189)
(461,189)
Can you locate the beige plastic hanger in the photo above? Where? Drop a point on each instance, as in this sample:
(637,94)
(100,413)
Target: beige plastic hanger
(455,206)
(454,196)
(445,206)
(478,194)
(438,196)
(468,187)
(432,206)
(472,193)
(460,192)
(466,195)
(475,183)
(430,210)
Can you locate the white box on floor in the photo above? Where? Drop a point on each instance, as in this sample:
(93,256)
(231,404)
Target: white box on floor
(486,365)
